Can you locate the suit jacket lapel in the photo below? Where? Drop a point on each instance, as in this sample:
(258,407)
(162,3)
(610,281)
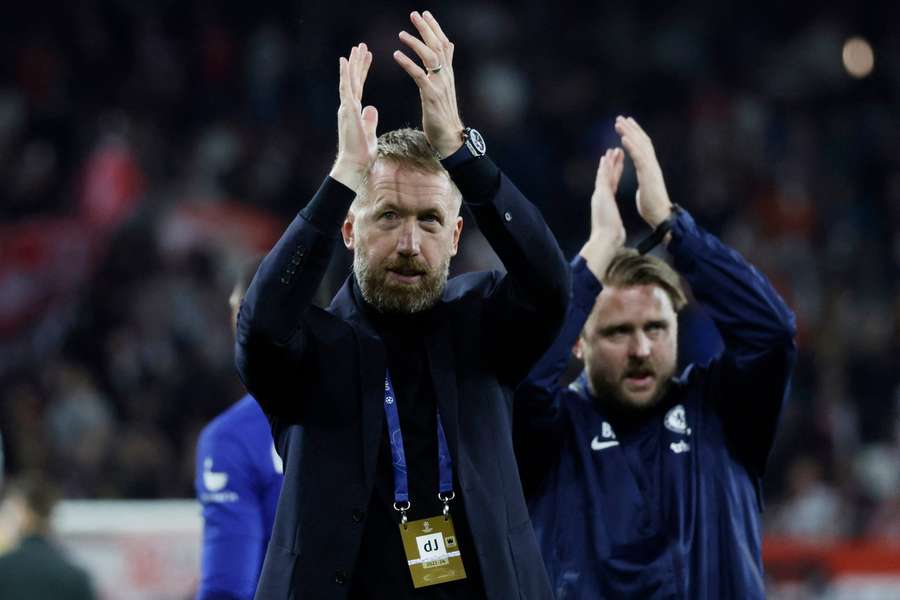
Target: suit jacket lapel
(372,366)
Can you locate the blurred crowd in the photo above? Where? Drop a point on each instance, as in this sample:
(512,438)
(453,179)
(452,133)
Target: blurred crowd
(145,148)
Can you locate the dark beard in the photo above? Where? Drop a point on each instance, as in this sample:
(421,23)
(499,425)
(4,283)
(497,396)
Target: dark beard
(613,400)
(389,297)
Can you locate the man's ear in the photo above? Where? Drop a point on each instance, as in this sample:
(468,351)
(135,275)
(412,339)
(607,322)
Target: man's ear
(577,349)
(347,230)
(457,231)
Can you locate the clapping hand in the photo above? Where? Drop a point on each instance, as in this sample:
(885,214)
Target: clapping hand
(437,86)
(652,199)
(607,230)
(357,141)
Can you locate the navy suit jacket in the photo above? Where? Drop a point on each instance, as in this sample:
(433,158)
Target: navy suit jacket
(323,370)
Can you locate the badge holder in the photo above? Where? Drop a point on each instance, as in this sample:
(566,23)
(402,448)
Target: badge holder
(431,546)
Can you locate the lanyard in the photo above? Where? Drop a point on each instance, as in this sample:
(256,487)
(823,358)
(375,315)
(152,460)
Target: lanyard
(398,456)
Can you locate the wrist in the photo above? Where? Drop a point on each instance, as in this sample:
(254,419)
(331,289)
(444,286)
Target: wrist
(446,144)
(447,147)
(657,219)
(598,252)
(661,231)
(348,173)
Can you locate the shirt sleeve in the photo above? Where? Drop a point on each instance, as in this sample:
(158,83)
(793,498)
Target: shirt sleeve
(273,334)
(233,533)
(748,383)
(537,400)
(543,380)
(533,293)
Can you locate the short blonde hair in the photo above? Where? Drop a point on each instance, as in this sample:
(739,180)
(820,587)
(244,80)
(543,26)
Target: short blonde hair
(407,147)
(629,268)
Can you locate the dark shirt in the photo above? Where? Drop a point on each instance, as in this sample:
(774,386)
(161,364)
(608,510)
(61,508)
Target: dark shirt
(37,569)
(381,570)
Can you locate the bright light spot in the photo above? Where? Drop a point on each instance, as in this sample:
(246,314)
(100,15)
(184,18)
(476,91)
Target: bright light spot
(858,57)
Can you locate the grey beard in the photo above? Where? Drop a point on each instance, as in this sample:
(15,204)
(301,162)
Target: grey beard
(389,298)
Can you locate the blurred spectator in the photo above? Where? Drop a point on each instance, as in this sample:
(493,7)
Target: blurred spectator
(813,509)
(36,567)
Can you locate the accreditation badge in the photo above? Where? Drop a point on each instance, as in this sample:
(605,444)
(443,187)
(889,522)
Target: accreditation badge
(432,551)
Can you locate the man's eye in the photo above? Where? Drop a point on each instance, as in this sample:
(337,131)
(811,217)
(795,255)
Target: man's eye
(389,215)
(429,218)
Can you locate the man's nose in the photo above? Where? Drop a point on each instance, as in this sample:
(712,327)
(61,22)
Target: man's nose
(640,345)
(408,244)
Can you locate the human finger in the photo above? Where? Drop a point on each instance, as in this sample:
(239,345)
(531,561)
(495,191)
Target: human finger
(364,60)
(370,120)
(438,31)
(424,28)
(616,168)
(412,69)
(428,56)
(639,131)
(352,67)
(344,89)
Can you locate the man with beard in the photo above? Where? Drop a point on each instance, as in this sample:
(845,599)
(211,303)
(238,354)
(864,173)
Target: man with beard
(643,483)
(404,482)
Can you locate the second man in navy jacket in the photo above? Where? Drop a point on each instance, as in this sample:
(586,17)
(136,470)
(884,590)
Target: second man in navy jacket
(644,482)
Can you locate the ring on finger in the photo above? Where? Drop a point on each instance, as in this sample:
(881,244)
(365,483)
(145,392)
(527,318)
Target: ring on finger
(434,69)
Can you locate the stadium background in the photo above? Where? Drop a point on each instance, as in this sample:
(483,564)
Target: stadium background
(146,147)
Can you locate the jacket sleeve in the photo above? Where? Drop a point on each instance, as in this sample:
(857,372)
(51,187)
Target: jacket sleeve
(234,538)
(273,333)
(525,307)
(537,426)
(749,382)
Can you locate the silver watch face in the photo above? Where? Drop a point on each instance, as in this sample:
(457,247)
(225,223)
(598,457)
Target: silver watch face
(475,142)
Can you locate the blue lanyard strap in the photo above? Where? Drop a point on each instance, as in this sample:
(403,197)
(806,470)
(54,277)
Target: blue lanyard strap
(401,481)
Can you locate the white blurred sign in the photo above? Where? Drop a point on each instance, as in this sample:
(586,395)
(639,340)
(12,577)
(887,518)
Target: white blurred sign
(134,550)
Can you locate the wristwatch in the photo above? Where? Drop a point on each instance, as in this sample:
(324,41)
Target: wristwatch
(473,147)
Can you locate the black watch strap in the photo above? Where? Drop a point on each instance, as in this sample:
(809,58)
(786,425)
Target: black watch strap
(473,147)
(653,240)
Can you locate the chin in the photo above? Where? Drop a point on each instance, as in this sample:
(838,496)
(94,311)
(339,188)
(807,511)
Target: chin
(637,403)
(640,402)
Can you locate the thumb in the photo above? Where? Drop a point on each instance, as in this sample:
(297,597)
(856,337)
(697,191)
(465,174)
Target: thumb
(370,120)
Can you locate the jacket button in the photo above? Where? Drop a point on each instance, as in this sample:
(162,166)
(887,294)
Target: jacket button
(358,516)
(507,216)
(340,576)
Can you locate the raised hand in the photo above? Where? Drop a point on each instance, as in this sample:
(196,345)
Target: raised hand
(357,141)
(437,87)
(652,199)
(607,230)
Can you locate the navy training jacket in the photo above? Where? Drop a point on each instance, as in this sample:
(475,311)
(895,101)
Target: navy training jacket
(666,507)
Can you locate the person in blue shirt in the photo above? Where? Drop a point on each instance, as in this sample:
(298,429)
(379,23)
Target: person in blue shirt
(238,480)
(642,481)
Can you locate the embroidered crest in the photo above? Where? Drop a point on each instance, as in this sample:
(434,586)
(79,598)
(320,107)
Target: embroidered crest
(675,420)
